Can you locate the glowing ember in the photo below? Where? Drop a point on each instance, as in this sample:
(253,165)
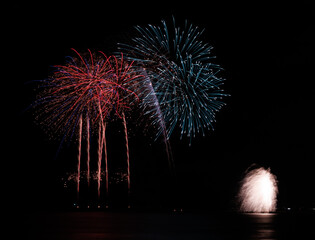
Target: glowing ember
(258,192)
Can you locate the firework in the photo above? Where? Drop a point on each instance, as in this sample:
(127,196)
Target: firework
(258,192)
(185,82)
(80,89)
(91,87)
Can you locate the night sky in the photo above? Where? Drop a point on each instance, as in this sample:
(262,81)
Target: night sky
(267,52)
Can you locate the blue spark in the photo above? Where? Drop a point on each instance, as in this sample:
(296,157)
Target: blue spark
(184,80)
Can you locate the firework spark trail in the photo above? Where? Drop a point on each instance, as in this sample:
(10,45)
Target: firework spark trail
(88,149)
(99,162)
(101,139)
(103,145)
(258,192)
(127,154)
(106,163)
(152,108)
(79,156)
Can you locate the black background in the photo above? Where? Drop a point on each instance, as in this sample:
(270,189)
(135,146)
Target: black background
(267,51)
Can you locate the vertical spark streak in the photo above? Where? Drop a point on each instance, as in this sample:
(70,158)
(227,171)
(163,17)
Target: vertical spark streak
(127,152)
(160,120)
(99,164)
(106,165)
(79,155)
(88,149)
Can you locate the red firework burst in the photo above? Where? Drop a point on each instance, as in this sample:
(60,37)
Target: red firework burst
(90,87)
(93,87)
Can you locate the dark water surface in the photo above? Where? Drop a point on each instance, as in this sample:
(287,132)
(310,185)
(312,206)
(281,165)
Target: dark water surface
(192,226)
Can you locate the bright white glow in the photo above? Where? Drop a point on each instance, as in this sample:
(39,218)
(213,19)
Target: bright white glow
(258,192)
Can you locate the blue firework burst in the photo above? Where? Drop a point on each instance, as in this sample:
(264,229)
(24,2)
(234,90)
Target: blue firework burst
(185,82)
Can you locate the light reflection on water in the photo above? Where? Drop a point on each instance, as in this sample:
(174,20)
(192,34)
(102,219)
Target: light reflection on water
(263,226)
(191,226)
